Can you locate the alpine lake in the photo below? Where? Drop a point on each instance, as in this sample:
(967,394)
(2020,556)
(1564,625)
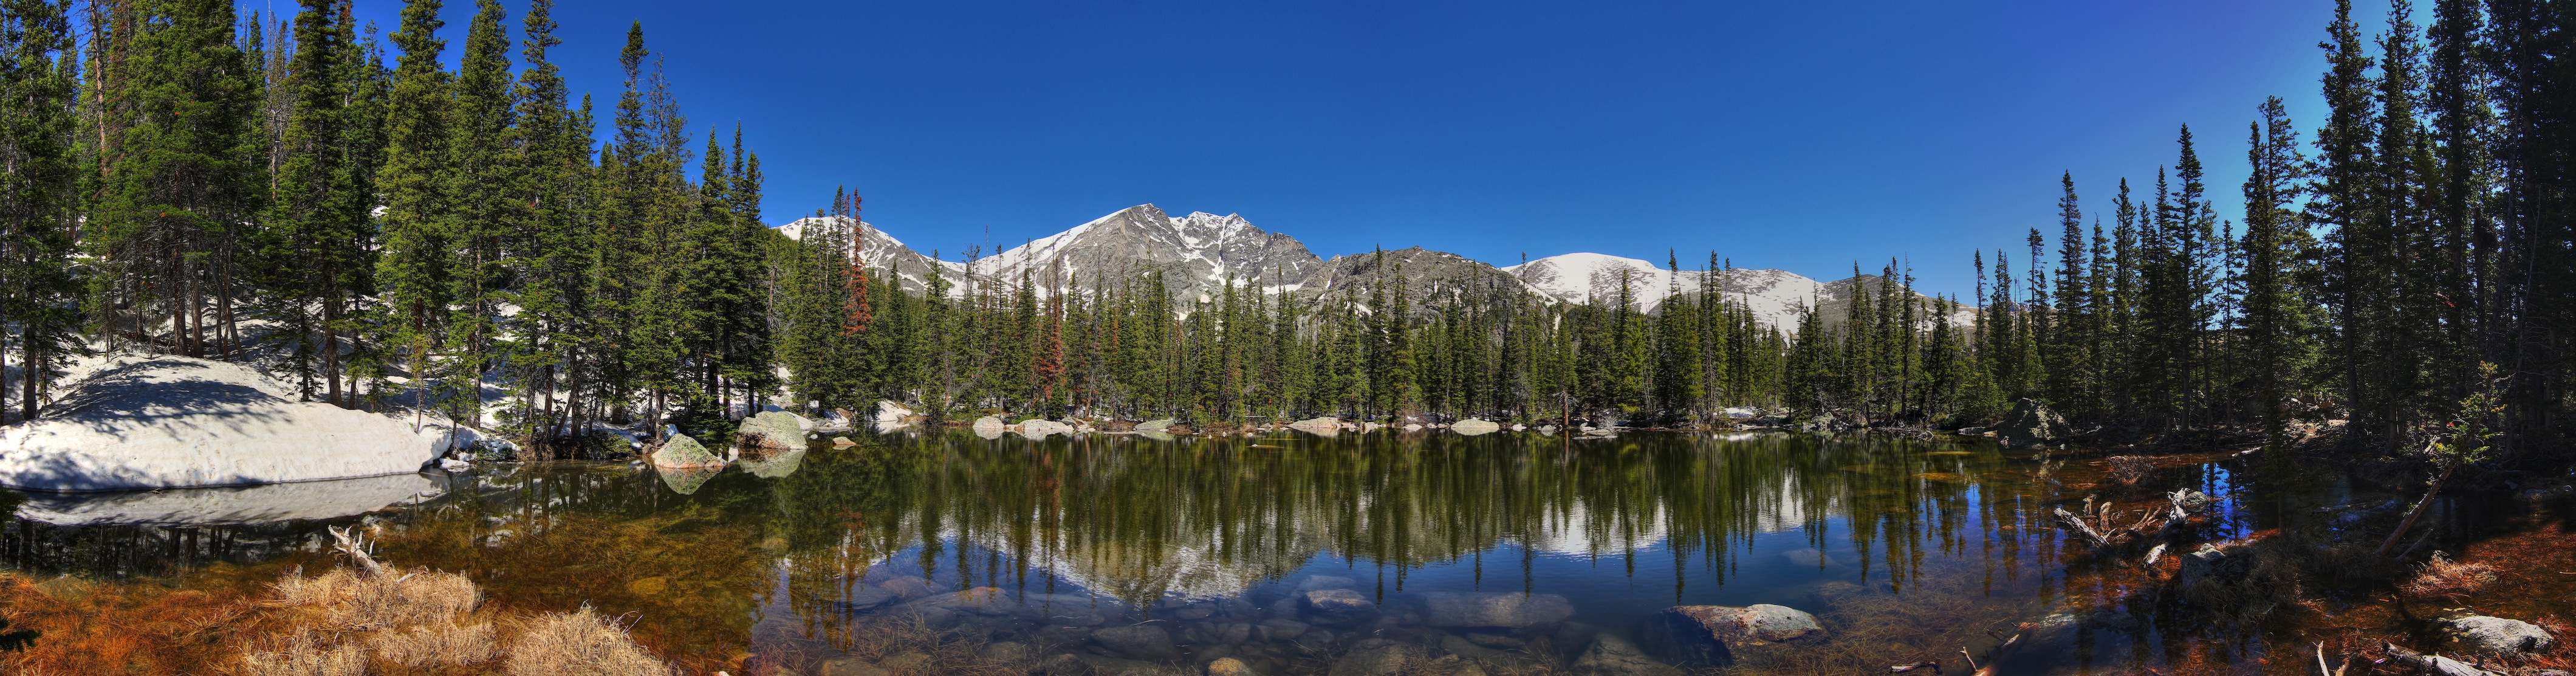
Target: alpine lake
(941,551)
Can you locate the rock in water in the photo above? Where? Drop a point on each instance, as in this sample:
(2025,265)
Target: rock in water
(684,452)
(1493,609)
(1326,425)
(2032,423)
(988,423)
(775,429)
(1143,641)
(1472,427)
(1039,428)
(1228,666)
(1156,425)
(177,422)
(1612,656)
(890,413)
(1708,636)
(2497,636)
(1339,605)
(1379,657)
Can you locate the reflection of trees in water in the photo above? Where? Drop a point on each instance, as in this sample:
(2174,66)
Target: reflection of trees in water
(125,551)
(1207,517)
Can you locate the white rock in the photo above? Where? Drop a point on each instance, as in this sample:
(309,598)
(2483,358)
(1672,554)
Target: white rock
(175,422)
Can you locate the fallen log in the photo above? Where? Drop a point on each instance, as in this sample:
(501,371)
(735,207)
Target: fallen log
(2076,524)
(2434,663)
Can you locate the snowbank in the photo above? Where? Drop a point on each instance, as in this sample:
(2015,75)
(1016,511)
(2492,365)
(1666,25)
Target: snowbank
(143,422)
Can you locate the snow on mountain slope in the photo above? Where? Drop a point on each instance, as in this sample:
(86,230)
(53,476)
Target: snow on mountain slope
(1776,297)
(882,251)
(1195,253)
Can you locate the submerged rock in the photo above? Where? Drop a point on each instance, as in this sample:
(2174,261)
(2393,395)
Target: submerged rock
(1613,656)
(2497,636)
(177,422)
(2032,423)
(1708,636)
(1143,641)
(1379,657)
(1493,609)
(1342,606)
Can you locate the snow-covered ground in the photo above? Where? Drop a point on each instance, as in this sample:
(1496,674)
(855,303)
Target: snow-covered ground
(143,421)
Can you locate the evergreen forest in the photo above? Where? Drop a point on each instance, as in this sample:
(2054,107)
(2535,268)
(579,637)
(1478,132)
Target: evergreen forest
(302,193)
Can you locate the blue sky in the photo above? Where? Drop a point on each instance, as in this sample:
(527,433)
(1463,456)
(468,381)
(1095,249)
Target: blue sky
(1791,135)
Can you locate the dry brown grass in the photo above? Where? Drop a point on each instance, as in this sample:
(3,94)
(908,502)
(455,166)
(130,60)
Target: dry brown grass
(2129,469)
(2445,578)
(438,644)
(305,655)
(579,643)
(352,601)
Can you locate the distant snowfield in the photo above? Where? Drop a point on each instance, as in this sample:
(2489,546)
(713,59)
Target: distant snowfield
(1201,251)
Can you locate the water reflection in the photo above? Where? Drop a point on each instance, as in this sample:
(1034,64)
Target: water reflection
(781,555)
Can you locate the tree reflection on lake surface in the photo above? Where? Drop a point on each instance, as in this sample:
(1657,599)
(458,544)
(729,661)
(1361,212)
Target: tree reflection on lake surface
(1905,550)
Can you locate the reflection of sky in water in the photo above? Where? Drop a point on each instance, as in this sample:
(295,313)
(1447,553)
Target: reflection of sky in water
(1620,528)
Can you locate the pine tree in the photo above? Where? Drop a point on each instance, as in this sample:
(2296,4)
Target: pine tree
(416,260)
(39,69)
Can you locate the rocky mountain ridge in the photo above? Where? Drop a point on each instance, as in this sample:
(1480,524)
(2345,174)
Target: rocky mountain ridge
(1199,252)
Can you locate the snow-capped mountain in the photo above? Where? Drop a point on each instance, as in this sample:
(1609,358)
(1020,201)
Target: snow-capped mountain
(1196,253)
(883,251)
(1776,297)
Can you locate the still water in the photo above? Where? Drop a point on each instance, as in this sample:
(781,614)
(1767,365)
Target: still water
(1905,550)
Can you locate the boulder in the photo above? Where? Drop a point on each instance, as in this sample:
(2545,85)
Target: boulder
(1341,606)
(2031,423)
(1472,427)
(1825,423)
(1280,630)
(1380,657)
(988,423)
(146,422)
(682,452)
(2496,636)
(1156,425)
(1613,656)
(1326,425)
(775,429)
(1708,636)
(1039,428)
(1228,666)
(1493,609)
(1142,641)
(890,413)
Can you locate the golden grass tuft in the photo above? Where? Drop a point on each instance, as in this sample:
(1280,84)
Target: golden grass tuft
(438,644)
(579,643)
(2445,578)
(305,655)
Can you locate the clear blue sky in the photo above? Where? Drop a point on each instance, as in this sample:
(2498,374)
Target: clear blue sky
(1793,135)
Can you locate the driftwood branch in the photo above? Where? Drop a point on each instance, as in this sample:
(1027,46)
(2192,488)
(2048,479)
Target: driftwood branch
(2076,524)
(2433,663)
(353,544)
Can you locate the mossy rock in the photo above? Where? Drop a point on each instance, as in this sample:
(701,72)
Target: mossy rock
(774,429)
(682,451)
